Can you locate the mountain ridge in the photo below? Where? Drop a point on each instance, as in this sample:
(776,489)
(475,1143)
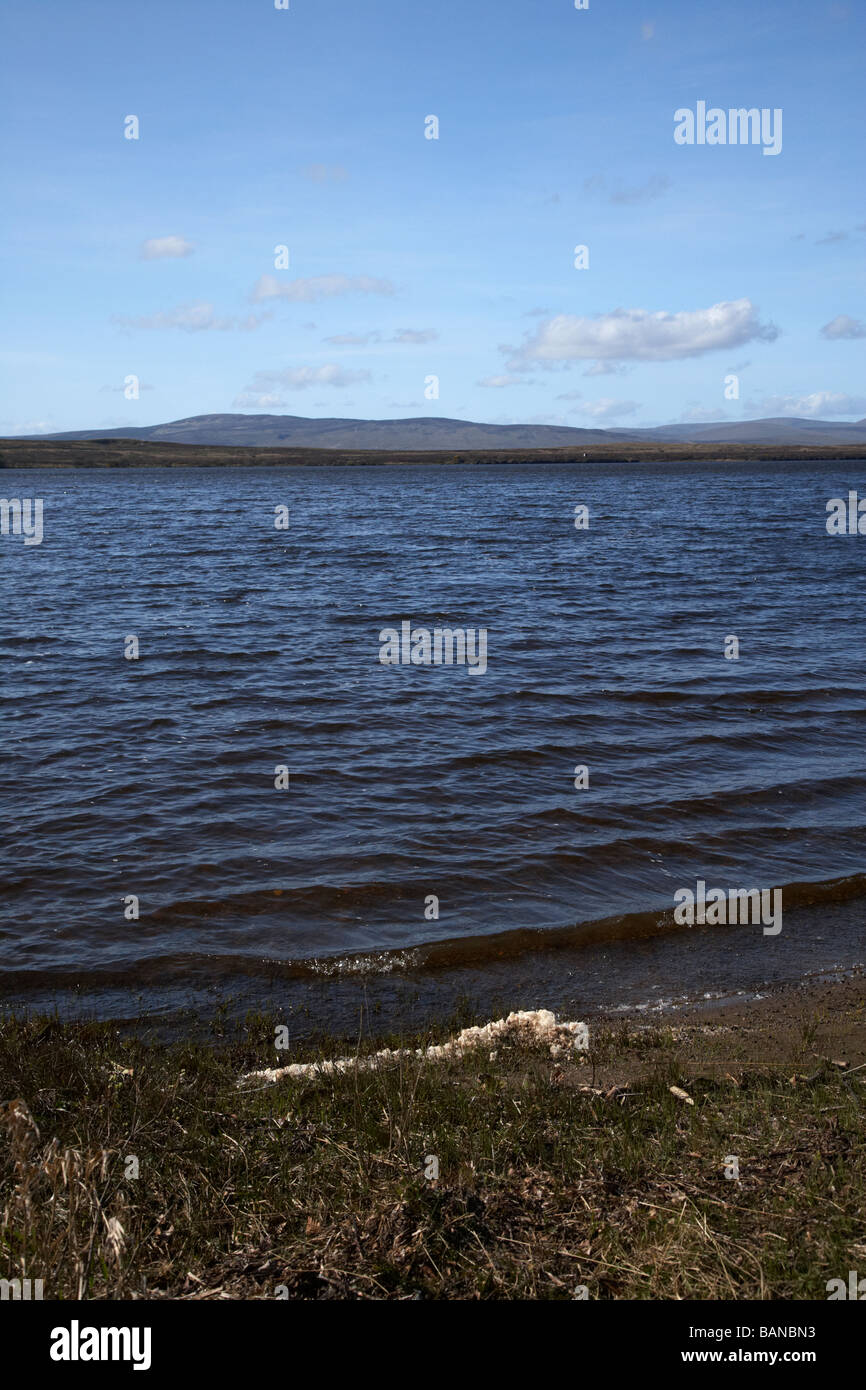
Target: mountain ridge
(424,433)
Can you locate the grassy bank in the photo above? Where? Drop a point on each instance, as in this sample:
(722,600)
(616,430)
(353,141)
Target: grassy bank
(588,1171)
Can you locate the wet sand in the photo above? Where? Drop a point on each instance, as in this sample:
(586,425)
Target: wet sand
(798,1030)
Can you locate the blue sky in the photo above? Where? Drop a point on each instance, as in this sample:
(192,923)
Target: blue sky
(413,258)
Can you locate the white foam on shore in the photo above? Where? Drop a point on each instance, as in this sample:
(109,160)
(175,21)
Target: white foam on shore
(532,1028)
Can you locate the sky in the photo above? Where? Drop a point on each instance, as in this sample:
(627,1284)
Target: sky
(142,280)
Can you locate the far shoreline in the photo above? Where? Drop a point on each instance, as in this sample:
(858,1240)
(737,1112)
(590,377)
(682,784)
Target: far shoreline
(133,453)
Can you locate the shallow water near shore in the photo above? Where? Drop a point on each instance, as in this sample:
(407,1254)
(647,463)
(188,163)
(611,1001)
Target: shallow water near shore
(260,647)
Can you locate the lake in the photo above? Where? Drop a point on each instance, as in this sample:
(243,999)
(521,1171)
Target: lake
(219,791)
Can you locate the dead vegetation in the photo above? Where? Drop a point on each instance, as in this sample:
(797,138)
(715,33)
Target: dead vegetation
(553,1173)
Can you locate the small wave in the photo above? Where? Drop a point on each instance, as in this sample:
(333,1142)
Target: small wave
(449,954)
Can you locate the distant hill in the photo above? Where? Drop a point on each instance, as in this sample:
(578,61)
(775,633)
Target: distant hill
(432,433)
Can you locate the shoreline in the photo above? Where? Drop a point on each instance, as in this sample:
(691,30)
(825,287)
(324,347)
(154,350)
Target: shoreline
(660,976)
(779,1010)
(768,1030)
(130,453)
(718,1157)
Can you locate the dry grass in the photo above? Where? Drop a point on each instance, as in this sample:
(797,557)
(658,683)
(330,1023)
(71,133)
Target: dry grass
(550,1176)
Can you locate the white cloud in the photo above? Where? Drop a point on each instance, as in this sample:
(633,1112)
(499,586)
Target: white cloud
(501,381)
(259,400)
(817,405)
(307,291)
(264,387)
(353,339)
(12,428)
(608,369)
(192,318)
(606,409)
(414,335)
(166,248)
(637,335)
(843,326)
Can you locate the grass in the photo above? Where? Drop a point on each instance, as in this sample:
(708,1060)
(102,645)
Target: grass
(588,1172)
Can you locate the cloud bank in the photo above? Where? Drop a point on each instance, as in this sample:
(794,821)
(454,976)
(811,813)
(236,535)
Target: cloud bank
(641,336)
(264,389)
(843,326)
(818,405)
(166,248)
(192,318)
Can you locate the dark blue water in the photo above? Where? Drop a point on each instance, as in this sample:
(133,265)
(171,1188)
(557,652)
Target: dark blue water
(259,647)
